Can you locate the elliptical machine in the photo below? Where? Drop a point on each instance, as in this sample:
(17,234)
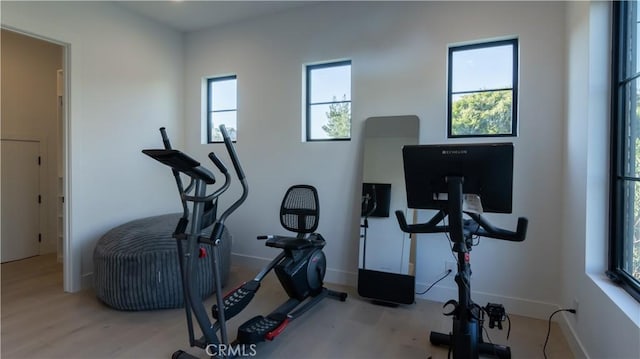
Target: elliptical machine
(452,179)
(300,266)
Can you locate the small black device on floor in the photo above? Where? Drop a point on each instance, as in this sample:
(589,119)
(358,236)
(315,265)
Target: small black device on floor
(300,266)
(496,314)
(438,177)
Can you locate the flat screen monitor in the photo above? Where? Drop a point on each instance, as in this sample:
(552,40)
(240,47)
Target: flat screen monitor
(486,169)
(378,201)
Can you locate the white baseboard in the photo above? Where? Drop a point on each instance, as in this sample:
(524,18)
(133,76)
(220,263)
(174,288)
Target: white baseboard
(512,305)
(86,281)
(572,337)
(334,276)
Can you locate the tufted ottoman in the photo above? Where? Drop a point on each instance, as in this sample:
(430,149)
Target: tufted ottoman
(136,265)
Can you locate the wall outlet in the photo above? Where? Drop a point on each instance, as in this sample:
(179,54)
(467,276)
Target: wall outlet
(450,265)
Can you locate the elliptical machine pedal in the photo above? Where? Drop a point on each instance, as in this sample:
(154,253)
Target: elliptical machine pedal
(259,328)
(236,300)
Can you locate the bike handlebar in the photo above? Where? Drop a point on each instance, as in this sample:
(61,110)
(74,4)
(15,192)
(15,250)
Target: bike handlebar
(429,227)
(482,227)
(486,229)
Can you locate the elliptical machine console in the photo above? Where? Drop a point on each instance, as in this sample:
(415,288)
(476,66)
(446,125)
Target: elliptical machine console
(300,267)
(458,180)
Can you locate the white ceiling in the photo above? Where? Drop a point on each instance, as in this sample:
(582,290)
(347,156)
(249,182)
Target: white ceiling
(195,15)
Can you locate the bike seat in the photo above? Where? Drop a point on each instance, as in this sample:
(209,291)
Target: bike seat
(294,243)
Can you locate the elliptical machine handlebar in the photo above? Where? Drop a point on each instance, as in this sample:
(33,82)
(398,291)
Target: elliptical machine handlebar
(182,163)
(216,234)
(477,225)
(216,161)
(232,153)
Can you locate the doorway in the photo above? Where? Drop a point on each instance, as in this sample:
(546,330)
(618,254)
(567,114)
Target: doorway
(33,119)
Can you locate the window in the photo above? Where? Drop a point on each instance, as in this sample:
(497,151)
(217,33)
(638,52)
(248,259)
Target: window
(624,246)
(221,107)
(483,89)
(329,101)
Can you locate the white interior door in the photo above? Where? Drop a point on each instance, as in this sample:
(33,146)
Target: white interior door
(20,202)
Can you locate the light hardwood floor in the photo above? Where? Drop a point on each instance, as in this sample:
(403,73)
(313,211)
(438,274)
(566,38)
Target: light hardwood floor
(39,320)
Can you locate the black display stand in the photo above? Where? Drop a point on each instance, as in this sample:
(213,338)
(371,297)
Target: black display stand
(384,288)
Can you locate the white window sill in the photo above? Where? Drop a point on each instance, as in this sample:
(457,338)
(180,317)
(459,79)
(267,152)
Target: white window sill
(627,304)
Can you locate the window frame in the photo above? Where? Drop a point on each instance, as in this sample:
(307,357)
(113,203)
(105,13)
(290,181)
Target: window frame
(619,80)
(210,111)
(308,104)
(514,89)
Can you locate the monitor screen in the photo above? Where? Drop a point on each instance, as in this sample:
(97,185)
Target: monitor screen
(486,169)
(376,199)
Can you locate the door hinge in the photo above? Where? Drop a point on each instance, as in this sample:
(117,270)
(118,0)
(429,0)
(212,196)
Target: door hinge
(39,160)
(39,199)
(40,237)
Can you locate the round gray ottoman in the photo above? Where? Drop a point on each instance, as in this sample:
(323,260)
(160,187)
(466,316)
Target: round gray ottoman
(136,265)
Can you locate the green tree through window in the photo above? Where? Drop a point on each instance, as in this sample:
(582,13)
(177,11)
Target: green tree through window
(482,112)
(339,115)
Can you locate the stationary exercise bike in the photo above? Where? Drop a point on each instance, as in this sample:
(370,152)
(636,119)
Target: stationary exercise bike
(300,266)
(457,180)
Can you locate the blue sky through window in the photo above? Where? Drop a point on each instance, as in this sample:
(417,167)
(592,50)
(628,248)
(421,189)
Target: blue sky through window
(331,83)
(482,69)
(224,94)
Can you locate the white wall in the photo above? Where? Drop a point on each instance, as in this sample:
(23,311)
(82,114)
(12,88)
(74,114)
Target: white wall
(398,54)
(608,320)
(125,80)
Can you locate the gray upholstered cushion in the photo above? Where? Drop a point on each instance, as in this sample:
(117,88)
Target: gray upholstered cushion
(136,265)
